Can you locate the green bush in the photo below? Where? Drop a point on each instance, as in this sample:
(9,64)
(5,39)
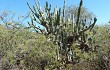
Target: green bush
(25,49)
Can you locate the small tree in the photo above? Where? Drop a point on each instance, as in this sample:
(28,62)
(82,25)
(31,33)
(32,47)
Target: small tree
(83,14)
(63,32)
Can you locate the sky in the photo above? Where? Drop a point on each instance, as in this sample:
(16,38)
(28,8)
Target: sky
(101,8)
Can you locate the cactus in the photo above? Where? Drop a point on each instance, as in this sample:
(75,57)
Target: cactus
(64,31)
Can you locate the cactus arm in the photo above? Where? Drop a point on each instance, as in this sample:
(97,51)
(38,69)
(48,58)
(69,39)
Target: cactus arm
(90,27)
(79,10)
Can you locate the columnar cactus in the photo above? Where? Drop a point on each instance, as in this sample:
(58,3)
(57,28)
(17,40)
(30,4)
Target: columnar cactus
(64,32)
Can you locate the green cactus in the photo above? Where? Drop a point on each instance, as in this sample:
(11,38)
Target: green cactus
(65,31)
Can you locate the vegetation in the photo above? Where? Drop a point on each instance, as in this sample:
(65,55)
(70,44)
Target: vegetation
(75,43)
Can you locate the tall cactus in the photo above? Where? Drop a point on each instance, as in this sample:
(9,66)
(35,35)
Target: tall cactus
(64,31)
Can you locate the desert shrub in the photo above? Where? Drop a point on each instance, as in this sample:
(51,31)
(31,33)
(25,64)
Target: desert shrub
(25,49)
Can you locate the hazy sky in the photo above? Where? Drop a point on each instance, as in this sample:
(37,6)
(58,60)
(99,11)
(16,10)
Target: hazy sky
(101,8)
